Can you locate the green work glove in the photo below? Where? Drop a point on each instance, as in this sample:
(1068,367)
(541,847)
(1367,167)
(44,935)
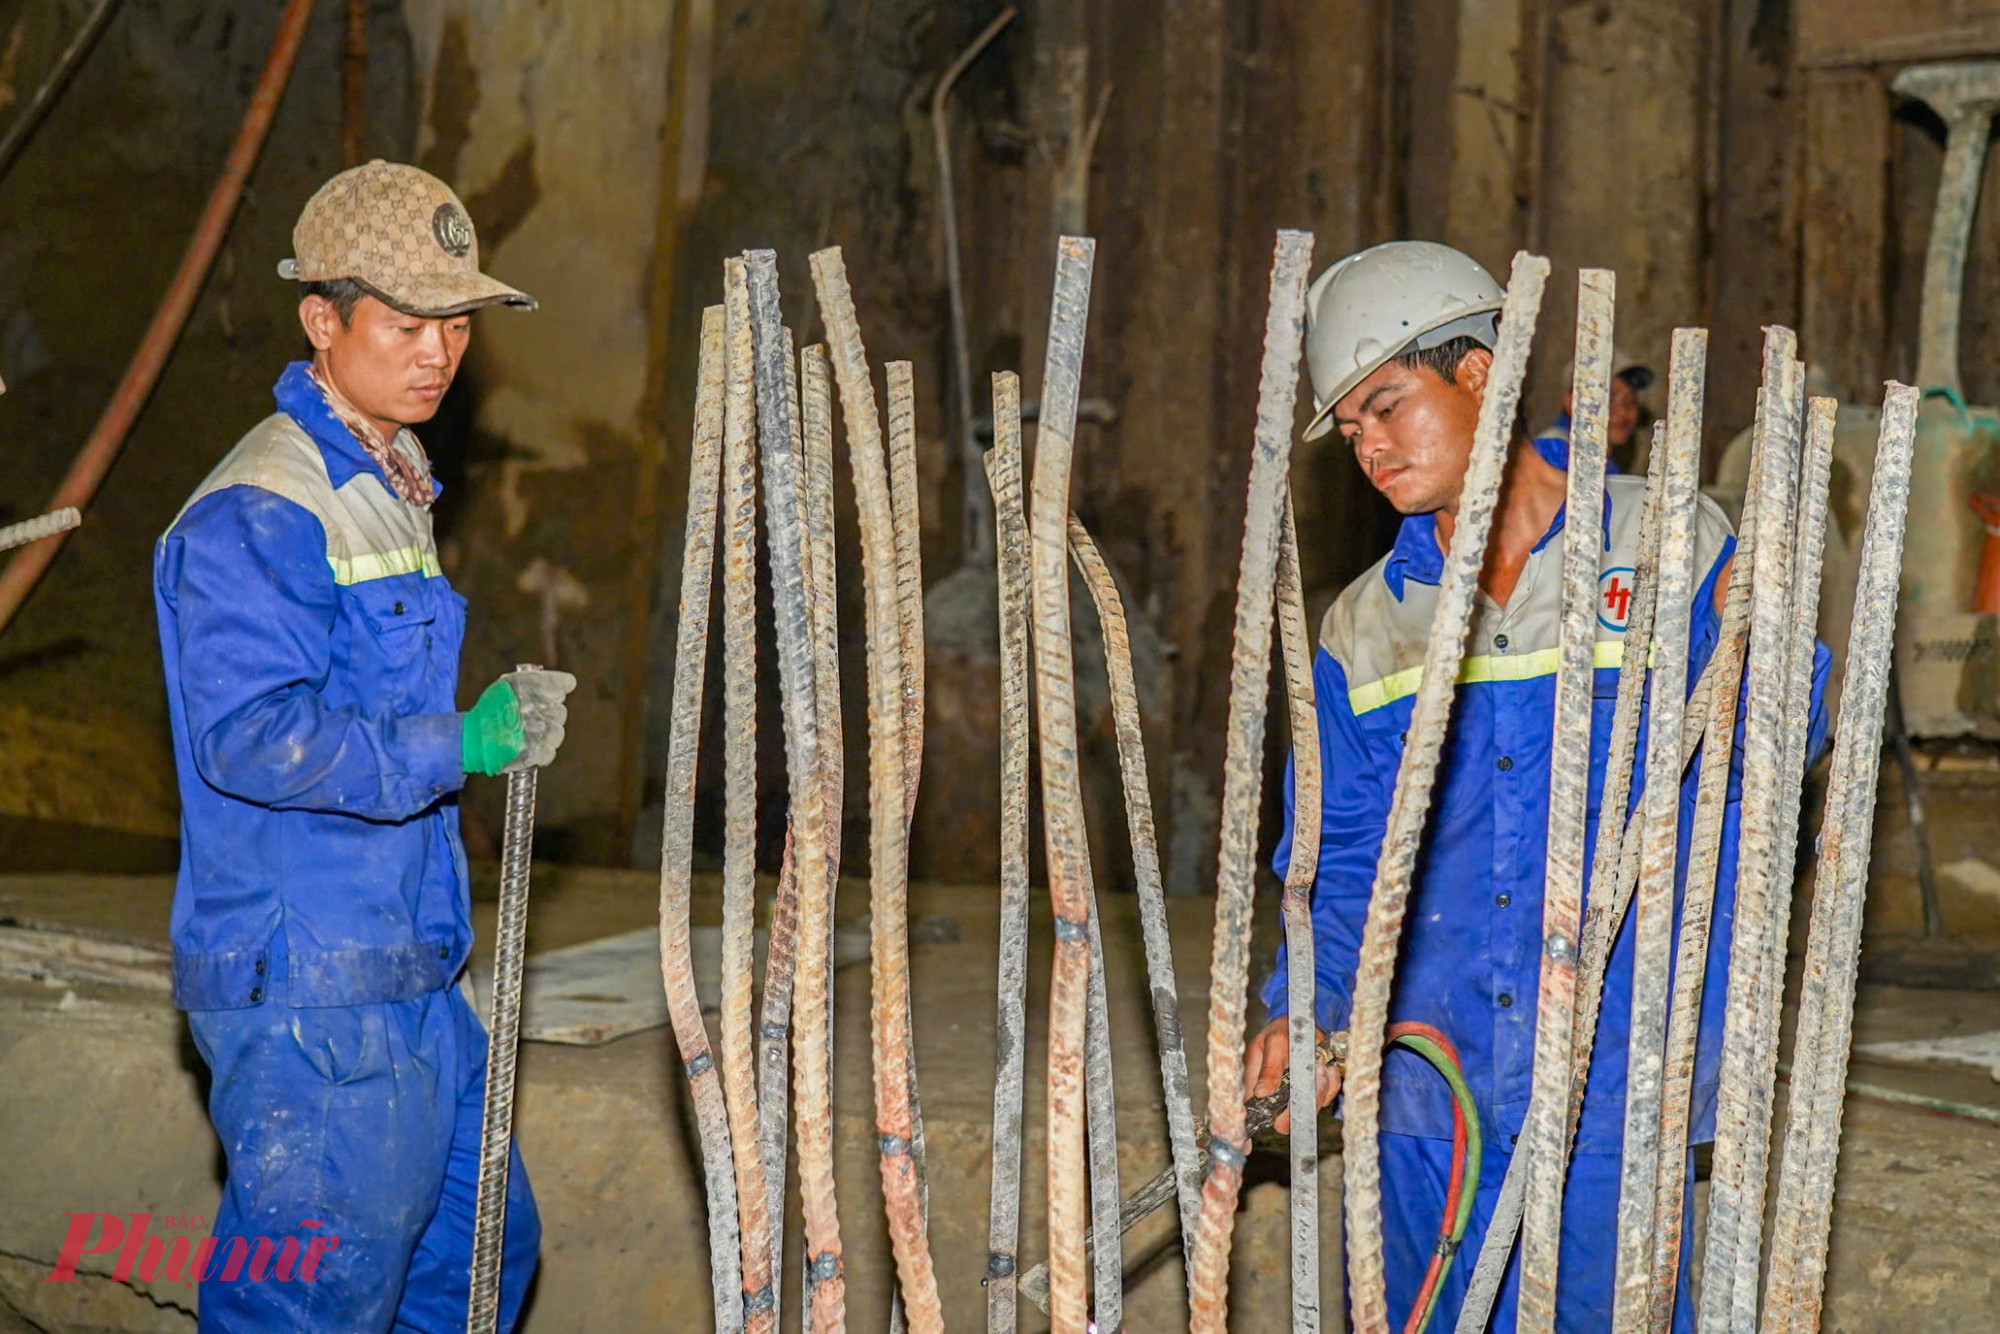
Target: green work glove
(517,723)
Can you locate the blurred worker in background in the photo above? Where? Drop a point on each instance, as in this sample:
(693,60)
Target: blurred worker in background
(1399,343)
(1628,450)
(323,912)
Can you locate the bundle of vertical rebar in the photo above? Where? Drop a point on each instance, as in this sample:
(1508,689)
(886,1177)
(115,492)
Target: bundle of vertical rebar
(764,428)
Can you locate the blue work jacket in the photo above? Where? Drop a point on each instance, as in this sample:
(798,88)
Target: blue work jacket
(311,648)
(1471,953)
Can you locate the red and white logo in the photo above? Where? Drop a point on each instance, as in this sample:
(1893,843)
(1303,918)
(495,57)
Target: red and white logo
(1614,596)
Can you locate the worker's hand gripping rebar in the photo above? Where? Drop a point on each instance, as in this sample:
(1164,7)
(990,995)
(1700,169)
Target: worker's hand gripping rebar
(1250,665)
(1410,808)
(503,1039)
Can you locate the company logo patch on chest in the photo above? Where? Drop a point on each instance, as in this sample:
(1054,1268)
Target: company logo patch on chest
(1614,596)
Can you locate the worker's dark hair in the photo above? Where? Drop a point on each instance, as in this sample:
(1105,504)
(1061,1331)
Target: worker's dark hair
(1442,360)
(344,293)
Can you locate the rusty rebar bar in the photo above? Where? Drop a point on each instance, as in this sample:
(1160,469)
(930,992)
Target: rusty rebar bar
(1295,642)
(1730,1225)
(888,842)
(1243,773)
(1808,549)
(1604,908)
(800,694)
(1826,999)
(740,424)
(1545,1133)
(903,504)
(781,957)
(1725,670)
(1003,1233)
(677,835)
(1153,927)
(1410,808)
(1062,792)
(1107,1250)
(816,418)
(503,1049)
(30,117)
(1653,905)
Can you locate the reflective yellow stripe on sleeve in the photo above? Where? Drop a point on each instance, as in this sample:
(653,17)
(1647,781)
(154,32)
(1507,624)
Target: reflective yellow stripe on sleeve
(382,564)
(1481,668)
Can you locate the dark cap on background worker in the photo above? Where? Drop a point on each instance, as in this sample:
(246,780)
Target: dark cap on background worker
(322,913)
(1400,343)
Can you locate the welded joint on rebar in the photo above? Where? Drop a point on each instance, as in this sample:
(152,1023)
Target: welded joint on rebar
(764,1299)
(1560,950)
(1070,932)
(824,1267)
(773,1032)
(1227,1156)
(700,1065)
(893,1146)
(999,1264)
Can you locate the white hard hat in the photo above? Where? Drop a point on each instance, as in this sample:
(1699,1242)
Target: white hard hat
(1375,303)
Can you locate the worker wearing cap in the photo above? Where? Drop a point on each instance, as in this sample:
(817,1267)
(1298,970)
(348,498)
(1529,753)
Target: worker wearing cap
(1399,343)
(322,912)
(1630,378)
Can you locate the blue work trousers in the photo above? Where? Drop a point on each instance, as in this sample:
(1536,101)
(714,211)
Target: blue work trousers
(1415,1176)
(363,1121)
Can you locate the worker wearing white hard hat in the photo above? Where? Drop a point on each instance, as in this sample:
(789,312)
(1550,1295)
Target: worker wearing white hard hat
(1399,344)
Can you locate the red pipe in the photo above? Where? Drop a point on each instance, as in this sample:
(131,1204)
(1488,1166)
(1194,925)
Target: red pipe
(93,461)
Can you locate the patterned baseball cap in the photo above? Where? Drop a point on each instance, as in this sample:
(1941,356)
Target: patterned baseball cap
(401,234)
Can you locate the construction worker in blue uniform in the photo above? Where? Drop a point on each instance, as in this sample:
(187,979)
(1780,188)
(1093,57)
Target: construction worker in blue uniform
(1399,347)
(1625,445)
(322,914)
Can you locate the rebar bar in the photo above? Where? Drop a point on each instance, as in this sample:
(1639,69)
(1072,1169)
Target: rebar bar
(1653,905)
(1616,863)
(1107,1252)
(800,691)
(1296,644)
(1546,1129)
(1003,1234)
(1605,905)
(816,417)
(1062,794)
(1725,669)
(1730,1225)
(1243,766)
(740,425)
(503,1048)
(910,626)
(1826,997)
(1376,965)
(1153,927)
(1809,546)
(677,834)
(781,956)
(93,460)
(34,530)
(30,117)
(889,1012)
